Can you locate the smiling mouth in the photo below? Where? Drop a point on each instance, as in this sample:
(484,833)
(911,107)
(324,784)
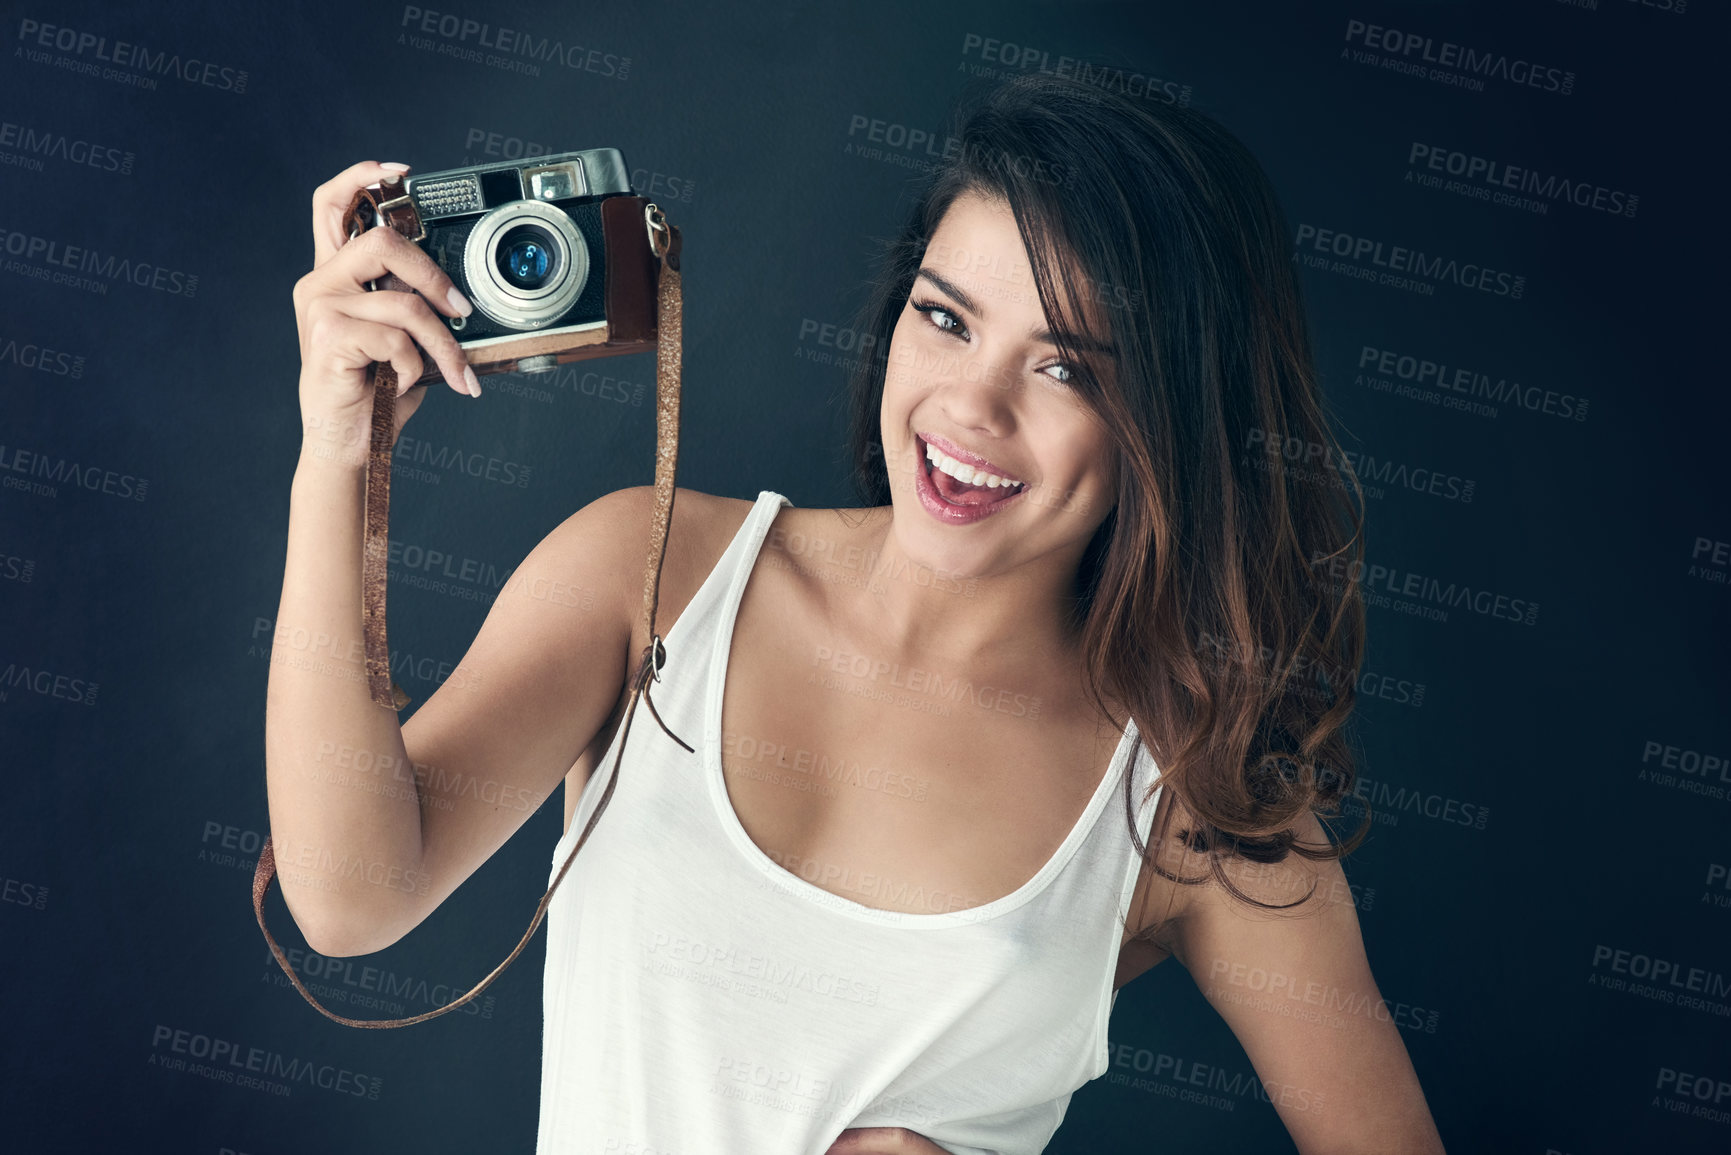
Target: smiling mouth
(961,484)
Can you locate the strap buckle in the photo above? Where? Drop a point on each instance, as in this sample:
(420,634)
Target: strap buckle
(655,223)
(393,207)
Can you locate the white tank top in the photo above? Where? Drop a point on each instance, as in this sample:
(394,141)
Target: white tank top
(701,999)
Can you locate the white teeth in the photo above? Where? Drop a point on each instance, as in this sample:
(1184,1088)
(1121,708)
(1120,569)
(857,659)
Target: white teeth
(965,473)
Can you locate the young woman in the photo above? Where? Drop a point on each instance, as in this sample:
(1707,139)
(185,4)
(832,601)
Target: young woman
(1062,700)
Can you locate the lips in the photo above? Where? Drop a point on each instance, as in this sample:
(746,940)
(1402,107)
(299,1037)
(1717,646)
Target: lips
(930,441)
(952,500)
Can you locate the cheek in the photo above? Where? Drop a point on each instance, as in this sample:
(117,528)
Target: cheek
(901,395)
(899,378)
(1079,446)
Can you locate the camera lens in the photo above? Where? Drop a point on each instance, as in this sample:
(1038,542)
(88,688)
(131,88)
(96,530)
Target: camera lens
(527,265)
(528,256)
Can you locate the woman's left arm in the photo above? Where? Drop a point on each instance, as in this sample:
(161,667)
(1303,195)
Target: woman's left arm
(1296,989)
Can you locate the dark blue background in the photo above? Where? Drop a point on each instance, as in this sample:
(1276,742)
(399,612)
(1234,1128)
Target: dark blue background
(120,916)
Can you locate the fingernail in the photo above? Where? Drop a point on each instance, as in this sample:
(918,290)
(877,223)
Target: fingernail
(474,382)
(394,166)
(459,302)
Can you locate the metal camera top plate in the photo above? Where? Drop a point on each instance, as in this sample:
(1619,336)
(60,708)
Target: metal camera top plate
(461,192)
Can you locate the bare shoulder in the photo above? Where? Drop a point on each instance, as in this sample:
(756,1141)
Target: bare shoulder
(703,525)
(1294,887)
(619,524)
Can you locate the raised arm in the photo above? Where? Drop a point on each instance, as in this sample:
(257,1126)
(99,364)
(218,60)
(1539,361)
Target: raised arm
(374,822)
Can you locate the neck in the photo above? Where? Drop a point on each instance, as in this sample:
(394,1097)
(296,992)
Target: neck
(1016,615)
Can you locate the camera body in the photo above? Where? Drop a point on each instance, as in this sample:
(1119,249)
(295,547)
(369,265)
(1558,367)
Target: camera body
(554,253)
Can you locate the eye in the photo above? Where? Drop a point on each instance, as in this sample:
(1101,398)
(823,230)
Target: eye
(945,320)
(934,311)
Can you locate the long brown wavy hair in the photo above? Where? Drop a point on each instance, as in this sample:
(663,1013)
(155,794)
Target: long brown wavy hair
(1202,603)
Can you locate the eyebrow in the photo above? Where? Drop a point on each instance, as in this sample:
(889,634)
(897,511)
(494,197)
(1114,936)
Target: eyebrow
(1082,342)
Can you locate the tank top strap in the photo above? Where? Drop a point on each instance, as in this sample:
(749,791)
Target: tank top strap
(1142,773)
(742,551)
(732,567)
(680,690)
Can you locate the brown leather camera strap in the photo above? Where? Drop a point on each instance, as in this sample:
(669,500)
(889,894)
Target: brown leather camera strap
(397,212)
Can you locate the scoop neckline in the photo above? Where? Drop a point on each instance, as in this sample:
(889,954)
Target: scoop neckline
(759,523)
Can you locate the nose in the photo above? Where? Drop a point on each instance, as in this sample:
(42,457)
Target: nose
(978,393)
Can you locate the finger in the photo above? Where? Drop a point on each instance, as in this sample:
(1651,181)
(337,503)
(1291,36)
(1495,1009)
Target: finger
(409,312)
(377,252)
(391,344)
(376,342)
(331,201)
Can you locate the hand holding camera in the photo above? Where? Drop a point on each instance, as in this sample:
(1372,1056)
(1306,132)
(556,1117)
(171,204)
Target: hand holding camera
(344,327)
(528,265)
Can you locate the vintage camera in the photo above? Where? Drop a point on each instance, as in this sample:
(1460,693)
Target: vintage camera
(554,253)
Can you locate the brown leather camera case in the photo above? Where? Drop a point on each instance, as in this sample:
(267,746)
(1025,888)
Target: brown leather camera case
(629,304)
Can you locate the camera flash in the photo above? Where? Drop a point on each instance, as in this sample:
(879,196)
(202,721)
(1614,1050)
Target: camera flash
(555,182)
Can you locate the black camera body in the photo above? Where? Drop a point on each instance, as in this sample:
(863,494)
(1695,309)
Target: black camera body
(553,251)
